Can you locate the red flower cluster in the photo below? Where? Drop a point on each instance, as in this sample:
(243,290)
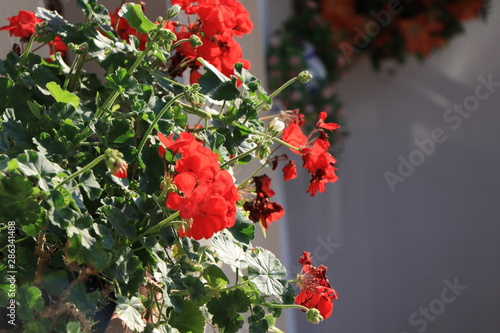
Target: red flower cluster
(208,195)
(219,21)
(261,210)
(124,29)
(22,25)
(315,289)
(315,156)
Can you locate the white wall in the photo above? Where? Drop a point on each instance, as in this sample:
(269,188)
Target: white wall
(391,252)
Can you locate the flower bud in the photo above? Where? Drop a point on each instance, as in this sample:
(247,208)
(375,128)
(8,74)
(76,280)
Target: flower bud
(305,77)
(115,163)
(195,41)
(173,11)
(313,316)
(79,48)
(276,125)
(193,96)
(262,152)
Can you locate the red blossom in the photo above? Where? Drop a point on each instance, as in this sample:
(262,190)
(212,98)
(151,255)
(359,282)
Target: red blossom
(315,289)
(57,45)
(261,209)
(22,25)
(219,22)
(120,169)
(328,126)
(315,156)
(290,171)
(207,195)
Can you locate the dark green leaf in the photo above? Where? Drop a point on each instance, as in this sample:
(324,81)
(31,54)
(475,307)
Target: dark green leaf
(215,277)
(189,320)
(30,299)
(90,185)
(32,163)
(195,287)
(18,202)
(244,229)
(213,87)
(257,321)
(227,308)
(121,223)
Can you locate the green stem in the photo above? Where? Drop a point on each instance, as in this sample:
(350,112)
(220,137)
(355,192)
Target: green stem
(75,76)
(108,103)
(81,171)
(280,89)
(285,306)
(198,112)
(71,74)
(179,43)
(286,144)
(248,152)
(25,55)
(155,121)
(161,224)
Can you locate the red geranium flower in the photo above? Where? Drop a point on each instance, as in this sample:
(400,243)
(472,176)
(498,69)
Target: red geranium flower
(261,209)
(22,25)
(207,195)
(315,289)
(57,45)
(317,160)
(290,171)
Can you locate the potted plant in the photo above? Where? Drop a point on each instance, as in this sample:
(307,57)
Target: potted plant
(117,195)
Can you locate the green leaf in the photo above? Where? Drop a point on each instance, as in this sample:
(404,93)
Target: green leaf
(126,84)
(257,321)
(33,164)
(189,320)
(61,95)
(14,128)
(86,240)
(18,202)
(229,252)
(90,185)
(136,18)
(54,20)
(127,266)
(73,327)
(216,85)
(215,277)
(266,272)
(30,299)
(107,237)
(86,302)
(244,229)
(129,310)
(54,281)
(195,287)
(121,223)
(227,308)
